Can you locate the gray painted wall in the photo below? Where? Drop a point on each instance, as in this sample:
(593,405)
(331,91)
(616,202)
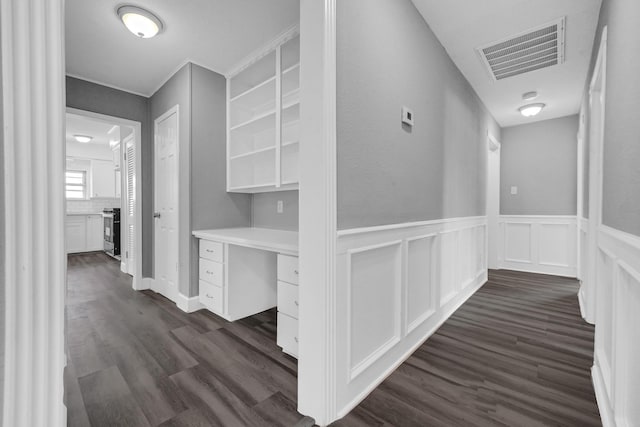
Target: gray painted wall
(387,173)
(211,205)
(177,91)
(621,170)
(541,160)
(92,97)
(264,212)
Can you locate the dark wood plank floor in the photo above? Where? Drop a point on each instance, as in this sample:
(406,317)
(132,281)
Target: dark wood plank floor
(516,354)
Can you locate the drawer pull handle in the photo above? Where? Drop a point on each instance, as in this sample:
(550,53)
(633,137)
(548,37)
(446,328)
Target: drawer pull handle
(209,272)
(210,251)
(209,296)
(295,338)
(296,272)
(296,303)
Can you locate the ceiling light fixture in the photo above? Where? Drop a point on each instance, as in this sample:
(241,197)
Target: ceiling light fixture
(140,22)
(530,96)
(531,109)
(83,138)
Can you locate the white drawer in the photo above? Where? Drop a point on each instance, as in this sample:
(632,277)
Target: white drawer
(211,250)
(211,272)
(211,297)
(288,334)
(288,268)
(288,299)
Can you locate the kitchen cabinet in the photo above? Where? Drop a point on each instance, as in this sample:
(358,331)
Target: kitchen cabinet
(103,181)
(84,233)
(263,102)
(288,304)
(76,233)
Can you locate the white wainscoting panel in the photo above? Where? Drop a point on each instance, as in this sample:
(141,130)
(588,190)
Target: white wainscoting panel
(538,244)
(616,369)
(396,285)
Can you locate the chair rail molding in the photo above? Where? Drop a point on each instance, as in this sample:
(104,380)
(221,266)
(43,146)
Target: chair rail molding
(544,244)
(34,207)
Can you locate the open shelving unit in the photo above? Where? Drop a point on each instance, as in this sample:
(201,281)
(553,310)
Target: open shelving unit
(263,121)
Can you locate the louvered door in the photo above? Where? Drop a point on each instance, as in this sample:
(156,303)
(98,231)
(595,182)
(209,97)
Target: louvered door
(130,204)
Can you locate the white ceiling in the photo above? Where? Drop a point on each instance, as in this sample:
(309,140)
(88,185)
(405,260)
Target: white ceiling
(215,34)
(98,129)
(463,25)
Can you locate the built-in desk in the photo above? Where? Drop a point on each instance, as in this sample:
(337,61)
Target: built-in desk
(244,271)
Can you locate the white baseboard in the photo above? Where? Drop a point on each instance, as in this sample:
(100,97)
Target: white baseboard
(189,305)
(141,284)
(606,412)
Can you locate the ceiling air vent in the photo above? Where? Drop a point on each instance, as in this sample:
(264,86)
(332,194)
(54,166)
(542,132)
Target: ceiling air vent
(535,49)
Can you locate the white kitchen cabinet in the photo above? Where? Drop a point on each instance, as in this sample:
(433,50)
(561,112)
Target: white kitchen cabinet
(95,238)
(263,104)
(76,233)
(84,233)
(103,182)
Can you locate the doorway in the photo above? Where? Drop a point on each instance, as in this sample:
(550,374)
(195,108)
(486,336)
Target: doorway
(99,179)
(166,212)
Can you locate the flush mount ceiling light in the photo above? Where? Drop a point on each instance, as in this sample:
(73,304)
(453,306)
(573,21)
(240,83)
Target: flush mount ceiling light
(83,138)
(140,22)
(531,109)
(530,96)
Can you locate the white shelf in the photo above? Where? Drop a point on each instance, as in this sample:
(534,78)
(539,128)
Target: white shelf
(251,153)
(257,123)
(263,116)
(254,90)
(292,68)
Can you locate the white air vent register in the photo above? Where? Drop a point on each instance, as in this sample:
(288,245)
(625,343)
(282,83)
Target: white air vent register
(529,51)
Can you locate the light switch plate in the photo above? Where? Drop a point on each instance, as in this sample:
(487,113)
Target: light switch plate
(514,190)
(280,206)
(407,116)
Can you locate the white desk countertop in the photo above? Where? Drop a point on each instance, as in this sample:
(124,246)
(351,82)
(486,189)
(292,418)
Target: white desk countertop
(285,242)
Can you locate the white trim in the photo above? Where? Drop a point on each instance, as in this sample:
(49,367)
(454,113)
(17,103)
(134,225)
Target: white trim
(262,51)
(317,357)
(145,284)
(111,86)
(604,406)
(378,228)
(173,295)
(540,248)
(32,35)
(189,304)
(595,177)
(137,132)
(630,239)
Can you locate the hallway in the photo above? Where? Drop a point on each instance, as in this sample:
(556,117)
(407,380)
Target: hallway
(516,353)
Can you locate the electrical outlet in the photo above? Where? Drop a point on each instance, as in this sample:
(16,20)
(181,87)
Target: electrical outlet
(280,207)
(514,190)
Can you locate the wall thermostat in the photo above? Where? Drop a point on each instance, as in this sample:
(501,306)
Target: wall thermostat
(407,116)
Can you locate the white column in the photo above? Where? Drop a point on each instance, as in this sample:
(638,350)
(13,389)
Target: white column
(317,347)
(35,261)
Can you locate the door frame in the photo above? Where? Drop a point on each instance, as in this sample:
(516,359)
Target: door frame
(127,267)
(597,87)
(154,284)
(137,129)
(493,206)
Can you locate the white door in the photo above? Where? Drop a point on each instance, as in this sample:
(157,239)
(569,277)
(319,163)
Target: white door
(166,204)
(493,202)
(129,210)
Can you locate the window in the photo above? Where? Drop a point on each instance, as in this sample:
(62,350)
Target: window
(76,184)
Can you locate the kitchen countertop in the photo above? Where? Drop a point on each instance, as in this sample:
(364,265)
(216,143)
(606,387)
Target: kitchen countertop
(83,213)
(285,242)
